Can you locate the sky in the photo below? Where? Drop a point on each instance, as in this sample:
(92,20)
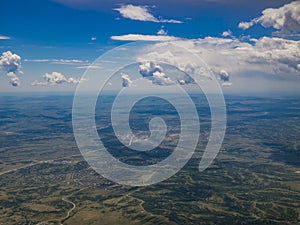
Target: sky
(251,47)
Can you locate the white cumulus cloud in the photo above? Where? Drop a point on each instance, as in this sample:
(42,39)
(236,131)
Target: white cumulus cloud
(227,33)
(155,73)
(162,31)
(56,78)
(11,64)
(14,80)
(141,13)
(126,81)
(285,19)
(224,75)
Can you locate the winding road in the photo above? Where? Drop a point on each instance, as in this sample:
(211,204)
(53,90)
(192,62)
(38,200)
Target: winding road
(63,199)
(69,212)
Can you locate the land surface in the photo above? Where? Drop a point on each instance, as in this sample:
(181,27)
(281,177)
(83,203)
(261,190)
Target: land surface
(255,179)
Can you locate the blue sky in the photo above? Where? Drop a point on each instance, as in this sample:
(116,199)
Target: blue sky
(65,36)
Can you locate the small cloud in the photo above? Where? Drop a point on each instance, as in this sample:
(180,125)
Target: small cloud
(227,33)
(89,67)
(162,31)
(169,21)
(227,84)
(37,60)
(126,81)
(3,37)
(141,13)
(14,80)
(246,25)
(56,78)
(93,39)
(224,75)
(69,61)
(58,61)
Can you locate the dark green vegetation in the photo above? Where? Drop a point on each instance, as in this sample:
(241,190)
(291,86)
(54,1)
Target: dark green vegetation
(254,180)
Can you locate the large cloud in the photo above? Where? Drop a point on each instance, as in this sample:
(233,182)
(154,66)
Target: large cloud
(141,37)
(141,13)
(285,19)
(56,78)
(11,64)
(224,56)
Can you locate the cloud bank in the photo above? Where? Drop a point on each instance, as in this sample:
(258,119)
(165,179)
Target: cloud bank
(226,56)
